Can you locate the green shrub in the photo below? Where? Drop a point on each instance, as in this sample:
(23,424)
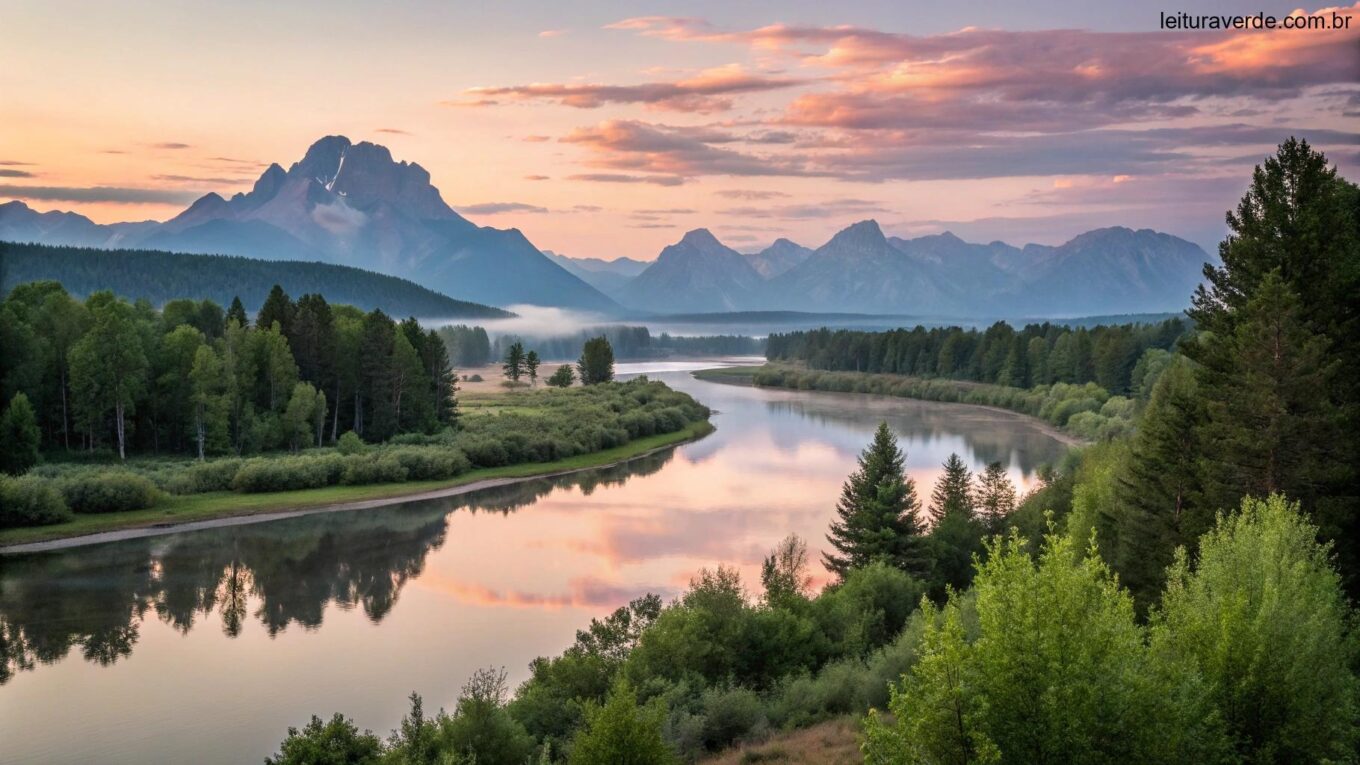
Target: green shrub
(731,715)
(30,501)
(363,469)
(108,492)
(350,443)
(430,463)
(263,474)
(214,475)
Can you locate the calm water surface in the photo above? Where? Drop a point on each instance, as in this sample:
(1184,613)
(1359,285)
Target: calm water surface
(204,646)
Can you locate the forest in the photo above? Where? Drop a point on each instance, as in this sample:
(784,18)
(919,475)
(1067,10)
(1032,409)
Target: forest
(124,405)
(1181,593)
(160,277)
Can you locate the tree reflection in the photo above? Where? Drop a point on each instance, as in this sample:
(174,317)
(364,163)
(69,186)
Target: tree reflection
(280,573)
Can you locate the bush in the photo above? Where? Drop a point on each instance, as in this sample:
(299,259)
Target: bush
(350,443)
(202,477)
(475,378)
(372,468)
(430,463)
(108,492)
(30,501)
(288,473)
(731,715)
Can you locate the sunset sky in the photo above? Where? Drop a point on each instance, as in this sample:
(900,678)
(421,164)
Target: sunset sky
(609,128)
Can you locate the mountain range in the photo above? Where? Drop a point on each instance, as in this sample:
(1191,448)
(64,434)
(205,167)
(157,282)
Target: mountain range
(343,203)
(352,204)
(860,270)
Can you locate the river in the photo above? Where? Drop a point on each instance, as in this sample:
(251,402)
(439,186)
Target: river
(205,646)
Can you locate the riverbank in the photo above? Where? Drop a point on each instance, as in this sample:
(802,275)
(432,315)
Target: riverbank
(195,511)
(956,392)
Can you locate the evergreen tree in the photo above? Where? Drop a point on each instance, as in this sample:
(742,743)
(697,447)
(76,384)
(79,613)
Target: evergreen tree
(278,307)
(1158,489)
(376,418)
(995,498)
(954,491)
(596,364)
(877,515)
(1271,423)
(956,535)
(514,362)
(531,363)
(19,436)
(236,313)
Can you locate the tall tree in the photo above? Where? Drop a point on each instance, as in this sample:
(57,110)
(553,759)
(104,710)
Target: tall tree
(1158,489)
(108,367)
(514,361)
(237,313)
(596,364)
(877,515)
(378,420)
(278,307)
(995,497)
(209,381)
(531,363)
(956,534)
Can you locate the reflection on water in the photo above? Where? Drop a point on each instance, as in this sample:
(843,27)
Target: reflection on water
(218,639)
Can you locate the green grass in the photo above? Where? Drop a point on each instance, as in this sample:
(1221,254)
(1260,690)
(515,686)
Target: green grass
(223,504)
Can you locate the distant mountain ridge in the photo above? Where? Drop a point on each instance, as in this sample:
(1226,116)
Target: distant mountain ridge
(162,276)
(860,270)
(344,203)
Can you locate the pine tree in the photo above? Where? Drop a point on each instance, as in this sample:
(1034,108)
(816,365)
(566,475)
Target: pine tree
(514,362)
(1158,489)
(236,313)
(954,491)
(597,361)
(1271,423)
(995,499)
(531,363)
(278,307)
(877,515)
(563,377)
(957,534)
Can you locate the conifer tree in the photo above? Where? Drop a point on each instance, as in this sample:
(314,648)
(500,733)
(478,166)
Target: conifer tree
(995,498)
(236,313)
(531,363)
(954,491)
(956,534)
(877,515)
(1158,489)
(514,362)
(278,307)
(597,361)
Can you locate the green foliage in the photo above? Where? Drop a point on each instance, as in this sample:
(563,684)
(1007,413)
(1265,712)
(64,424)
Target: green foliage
(335,742)
(30,501)
(108,492)
(1262,617)
(619,731)
(784,573)
(19,436)
(350,443)
(995,497)
(563,377)
(1059,672)
(877,515)
(514,366)
(480,728)
(597,361)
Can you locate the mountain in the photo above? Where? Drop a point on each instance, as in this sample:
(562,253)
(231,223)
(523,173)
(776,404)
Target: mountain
(698,273)
(607,276)
(778,258)
(345,203)
(1110,271)
(163,276)
(860,271)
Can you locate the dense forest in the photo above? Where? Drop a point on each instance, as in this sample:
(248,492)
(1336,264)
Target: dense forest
(631,343)
(1180,594)
(1038,354)
(160,277)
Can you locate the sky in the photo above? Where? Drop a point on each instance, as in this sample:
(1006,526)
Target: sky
(607,129)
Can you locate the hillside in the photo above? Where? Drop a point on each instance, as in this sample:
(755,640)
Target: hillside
(161,276)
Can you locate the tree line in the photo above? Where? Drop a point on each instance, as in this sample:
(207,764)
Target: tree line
(160,277)
(1038,354)
(193,378)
